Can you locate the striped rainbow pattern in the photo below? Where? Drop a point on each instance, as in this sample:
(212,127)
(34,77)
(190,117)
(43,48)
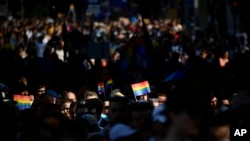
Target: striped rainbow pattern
(22,102)
(101,88)
(141,88)
(110,83)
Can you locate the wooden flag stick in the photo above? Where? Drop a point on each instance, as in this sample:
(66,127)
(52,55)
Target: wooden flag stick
(104,94)
(135,98)
(147,96)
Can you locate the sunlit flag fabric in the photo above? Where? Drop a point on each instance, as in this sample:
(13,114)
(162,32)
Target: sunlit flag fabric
(141,88)
(22,102)
(101,88)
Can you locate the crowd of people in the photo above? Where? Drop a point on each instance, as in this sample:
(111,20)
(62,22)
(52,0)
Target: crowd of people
(46,60)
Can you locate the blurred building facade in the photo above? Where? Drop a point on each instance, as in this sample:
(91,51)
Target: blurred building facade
(205,13)
(3,7)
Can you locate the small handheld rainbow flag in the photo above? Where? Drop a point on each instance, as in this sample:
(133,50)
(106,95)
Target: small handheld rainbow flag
(101,88)
(22,102)
(141,88)
(110,83)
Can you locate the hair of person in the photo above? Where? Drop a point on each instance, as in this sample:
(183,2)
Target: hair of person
(161,94)
(40,85)
(66,101)
(37,86)
(23,80)
(90,93)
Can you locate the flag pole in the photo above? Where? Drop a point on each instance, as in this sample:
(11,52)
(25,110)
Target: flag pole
(135,98)
(104,94)
(147,96)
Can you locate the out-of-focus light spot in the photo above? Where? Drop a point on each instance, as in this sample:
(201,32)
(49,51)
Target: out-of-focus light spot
(92,61)
(235,3)
(71,7)
(104,63)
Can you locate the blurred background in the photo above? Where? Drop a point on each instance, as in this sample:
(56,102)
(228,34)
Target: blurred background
(229,15)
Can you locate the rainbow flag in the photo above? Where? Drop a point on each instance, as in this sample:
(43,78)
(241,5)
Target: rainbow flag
(22,102)
(109,83)
(141,88)
(101,88)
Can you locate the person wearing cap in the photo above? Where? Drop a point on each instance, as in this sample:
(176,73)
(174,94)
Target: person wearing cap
(51,96)
(47,103)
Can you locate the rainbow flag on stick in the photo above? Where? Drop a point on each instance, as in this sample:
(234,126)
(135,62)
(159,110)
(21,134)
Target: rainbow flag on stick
(141,88)
(22,102)
(101,88)
(109,83)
